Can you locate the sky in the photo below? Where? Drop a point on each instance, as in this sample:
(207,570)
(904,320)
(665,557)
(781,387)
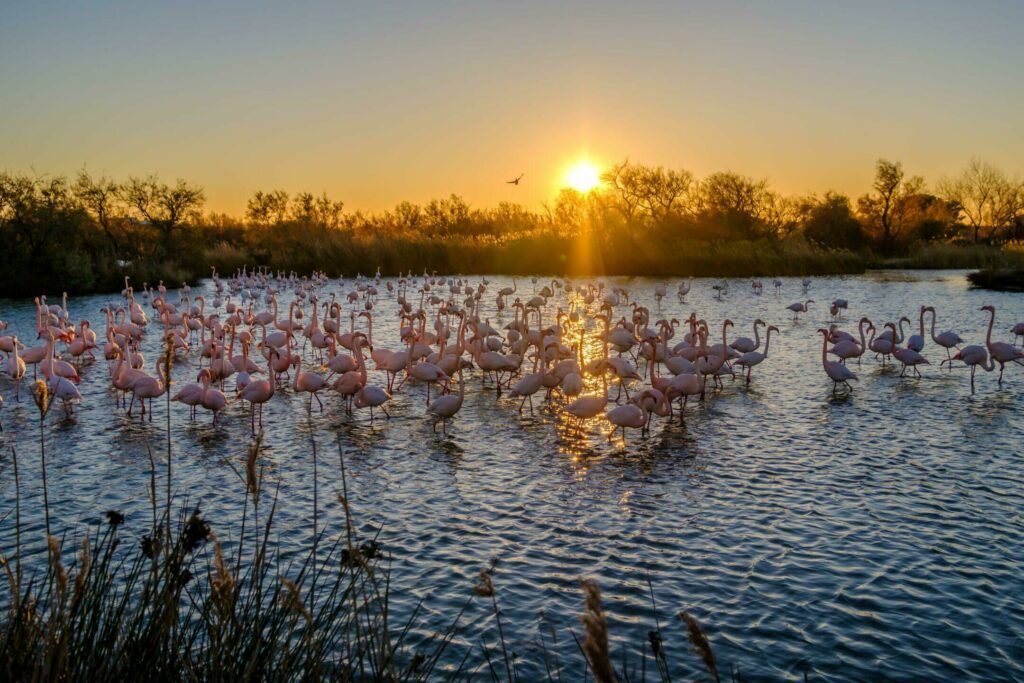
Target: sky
(379,102)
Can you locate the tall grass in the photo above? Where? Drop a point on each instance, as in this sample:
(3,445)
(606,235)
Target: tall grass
(549,253)
(943,256)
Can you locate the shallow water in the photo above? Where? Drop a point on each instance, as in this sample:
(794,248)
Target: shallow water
(872,535)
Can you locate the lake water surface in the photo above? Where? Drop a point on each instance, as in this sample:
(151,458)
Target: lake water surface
(875,535)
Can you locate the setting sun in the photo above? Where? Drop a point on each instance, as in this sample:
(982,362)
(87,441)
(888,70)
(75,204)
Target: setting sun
(582,176)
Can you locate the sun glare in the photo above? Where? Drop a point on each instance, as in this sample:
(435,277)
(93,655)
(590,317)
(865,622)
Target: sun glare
(582,176)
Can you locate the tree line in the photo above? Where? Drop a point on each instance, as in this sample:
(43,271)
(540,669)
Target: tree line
(86,233)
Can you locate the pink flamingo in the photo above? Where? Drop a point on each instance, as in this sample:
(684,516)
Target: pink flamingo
(849,348)
(192,394)
(1001,352)
(213,400)
(974,357)
(1018,332)
(530,383)
(14,366)
(258,392)
(631,416)
(799,308)
(310,382)
(752,358)
(369,396)
(836,371)
(147,387)
(349,383)
(445,407)
(946,340)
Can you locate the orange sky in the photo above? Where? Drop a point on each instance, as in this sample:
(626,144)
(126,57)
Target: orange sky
(377,103)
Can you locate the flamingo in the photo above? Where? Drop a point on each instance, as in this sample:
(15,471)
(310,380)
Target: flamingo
(1018,332)
(836,371)
(654,401)
(946,340)
(799,308)
(1001,352)
(192,394)
(837,307)
(588,407)
(309,382)
(752,358)
(212,399)
(910,359)
(745,344)
(147,387)
(884,344)
(630,416)
(15,368)
(350,382)
(684,288)
(260,391)
(424,371)
(445,407)
(849,348)
(916,341)
(368,396)
(61,387)
(974,357)
(530,384)
(682,387)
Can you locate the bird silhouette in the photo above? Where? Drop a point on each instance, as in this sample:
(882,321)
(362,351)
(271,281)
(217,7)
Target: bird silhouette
(516,180)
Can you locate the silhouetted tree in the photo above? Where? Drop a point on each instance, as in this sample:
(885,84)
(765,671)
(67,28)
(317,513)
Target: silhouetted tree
(317,211)
(639,191)
(734,201)
(624,188)
(572,210)
(101,197)
(831,223)
(408,217)
(164,207)
(266,208)
(447,216)
(985,197)
(885,209)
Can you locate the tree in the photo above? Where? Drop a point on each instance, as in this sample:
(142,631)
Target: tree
(637,191)
(164,207)
(985,197)
(319,211)
(101,197)
(572,210)
(885,210)
(782,214)
(624,187)
(35,208)
(408,217)
(663,191)
(735,201)
(48,238)
(831,223)
(447,216)
(267,208)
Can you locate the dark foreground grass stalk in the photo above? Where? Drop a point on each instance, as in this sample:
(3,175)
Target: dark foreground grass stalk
(42,399)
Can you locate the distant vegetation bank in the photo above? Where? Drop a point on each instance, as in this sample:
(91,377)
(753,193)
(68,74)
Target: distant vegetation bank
(85,234)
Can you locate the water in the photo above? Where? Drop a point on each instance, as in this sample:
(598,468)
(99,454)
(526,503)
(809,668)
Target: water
(876,535)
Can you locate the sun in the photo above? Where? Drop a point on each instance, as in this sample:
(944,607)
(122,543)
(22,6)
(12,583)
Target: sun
(582,176)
